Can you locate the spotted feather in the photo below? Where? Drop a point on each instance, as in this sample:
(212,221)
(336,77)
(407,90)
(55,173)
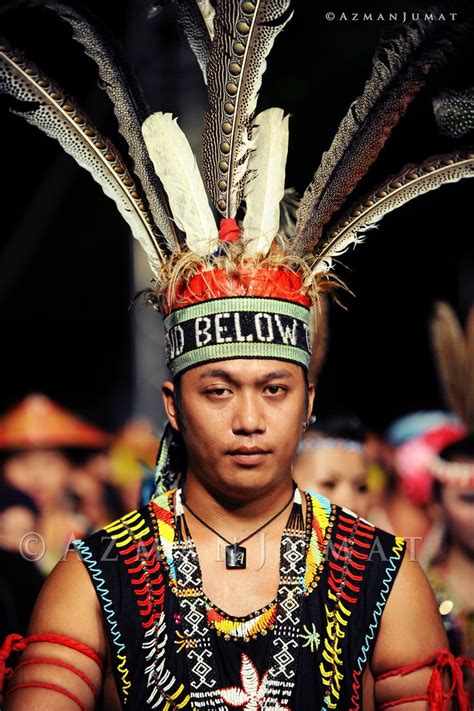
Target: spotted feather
(44,105)
(244,35)
(400,189)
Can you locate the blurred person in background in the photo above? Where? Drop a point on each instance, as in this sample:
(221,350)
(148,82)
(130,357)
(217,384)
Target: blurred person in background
(37,438)
(405,453)
(450,562)
(449,557)
(133,457)
(332,461)
(20,578)
(95,498)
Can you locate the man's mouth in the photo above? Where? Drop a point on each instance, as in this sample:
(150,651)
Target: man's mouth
(248,456)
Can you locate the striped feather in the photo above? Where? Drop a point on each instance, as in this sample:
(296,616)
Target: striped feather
(44,105)
(196,17)
(399,190)
(118,80)
(399,71)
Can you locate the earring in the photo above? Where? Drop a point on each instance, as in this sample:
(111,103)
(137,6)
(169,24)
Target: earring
(305,425)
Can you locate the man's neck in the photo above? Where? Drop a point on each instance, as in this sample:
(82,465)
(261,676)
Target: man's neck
(220,510)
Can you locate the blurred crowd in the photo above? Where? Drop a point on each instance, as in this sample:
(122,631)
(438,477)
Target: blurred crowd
(62,478)
(416,481)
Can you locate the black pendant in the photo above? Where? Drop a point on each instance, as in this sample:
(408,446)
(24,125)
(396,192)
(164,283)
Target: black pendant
(235,557)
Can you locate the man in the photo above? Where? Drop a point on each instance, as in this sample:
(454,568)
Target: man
(241,426)
(287,612)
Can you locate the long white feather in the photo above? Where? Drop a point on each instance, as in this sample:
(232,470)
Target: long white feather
(177,169)
(265,191)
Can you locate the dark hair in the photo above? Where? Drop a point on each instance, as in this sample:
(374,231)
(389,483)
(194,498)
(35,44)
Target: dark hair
(178,398)
(11,497)
(340,427)
(463,449)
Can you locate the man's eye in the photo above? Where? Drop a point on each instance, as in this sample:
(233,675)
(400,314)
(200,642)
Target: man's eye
(362,488)
(218,392)
(274,389)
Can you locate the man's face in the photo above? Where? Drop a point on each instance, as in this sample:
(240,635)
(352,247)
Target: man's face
(241,422)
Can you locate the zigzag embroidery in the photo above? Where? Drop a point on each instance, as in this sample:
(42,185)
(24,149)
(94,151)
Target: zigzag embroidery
(386,587)
(377,614)
(355,690)
(95,571)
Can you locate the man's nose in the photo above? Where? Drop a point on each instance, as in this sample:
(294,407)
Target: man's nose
(248,416)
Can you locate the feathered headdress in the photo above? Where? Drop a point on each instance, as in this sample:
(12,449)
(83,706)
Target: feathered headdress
(453,349)
(243,287)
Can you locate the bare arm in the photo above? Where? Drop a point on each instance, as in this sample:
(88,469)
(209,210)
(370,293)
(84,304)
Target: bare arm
(411,631)
(66,606)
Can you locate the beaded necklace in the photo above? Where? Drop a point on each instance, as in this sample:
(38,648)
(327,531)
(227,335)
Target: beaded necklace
(281,675)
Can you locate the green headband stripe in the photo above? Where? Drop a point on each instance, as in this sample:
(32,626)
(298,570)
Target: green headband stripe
(237,303)
(228,351)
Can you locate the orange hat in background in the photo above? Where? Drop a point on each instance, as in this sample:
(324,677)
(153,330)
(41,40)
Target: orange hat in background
(38,422)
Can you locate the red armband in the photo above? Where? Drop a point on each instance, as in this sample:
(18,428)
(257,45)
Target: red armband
(435,695)
(17,643)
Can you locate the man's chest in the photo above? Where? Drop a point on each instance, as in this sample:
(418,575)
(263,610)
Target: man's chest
(241,591)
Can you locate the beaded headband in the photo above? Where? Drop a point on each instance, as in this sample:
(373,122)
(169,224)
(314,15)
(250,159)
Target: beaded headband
(459,473)
(313,444)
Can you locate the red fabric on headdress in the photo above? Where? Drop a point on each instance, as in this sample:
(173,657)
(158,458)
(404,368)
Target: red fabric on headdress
(229,231)
(219,284)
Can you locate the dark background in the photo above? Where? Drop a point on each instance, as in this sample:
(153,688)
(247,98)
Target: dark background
(65,254)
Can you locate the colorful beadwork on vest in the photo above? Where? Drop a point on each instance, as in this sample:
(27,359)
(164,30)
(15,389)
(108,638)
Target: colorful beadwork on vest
(182,651)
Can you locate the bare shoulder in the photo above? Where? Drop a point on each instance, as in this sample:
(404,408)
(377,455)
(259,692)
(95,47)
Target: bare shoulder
(68,605)
(411,628)
(410,633)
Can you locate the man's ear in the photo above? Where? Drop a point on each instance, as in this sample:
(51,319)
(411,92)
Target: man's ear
(311,394)
(168,392)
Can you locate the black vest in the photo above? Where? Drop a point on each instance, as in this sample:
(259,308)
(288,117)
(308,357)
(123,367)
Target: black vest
(158,658)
